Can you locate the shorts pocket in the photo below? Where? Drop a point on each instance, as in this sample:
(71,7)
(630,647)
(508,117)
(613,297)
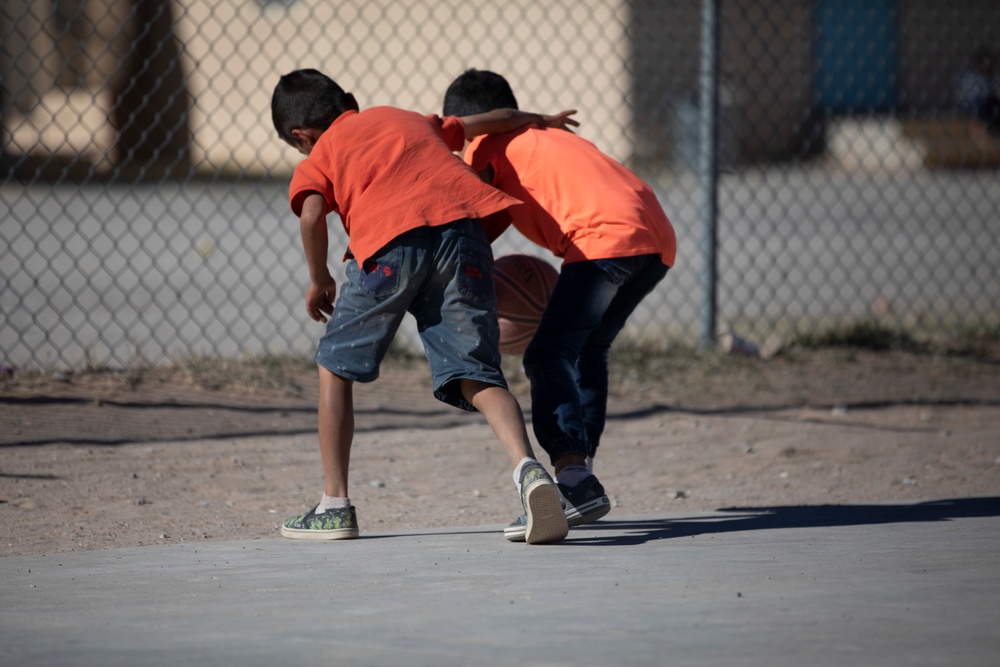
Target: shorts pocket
(379,276)
(475,277)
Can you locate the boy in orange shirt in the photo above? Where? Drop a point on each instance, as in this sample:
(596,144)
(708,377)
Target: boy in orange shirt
(411,210)
(617,245)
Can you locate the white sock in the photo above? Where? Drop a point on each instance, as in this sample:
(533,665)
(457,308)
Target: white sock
(572,475)
(329,503)
(517,471)
(590,463)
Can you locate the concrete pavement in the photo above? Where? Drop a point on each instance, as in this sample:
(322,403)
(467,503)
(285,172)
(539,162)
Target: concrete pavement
(836,585)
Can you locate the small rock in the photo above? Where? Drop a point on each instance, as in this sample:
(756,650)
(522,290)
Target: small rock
(772,347)
(377,483)
(733,345)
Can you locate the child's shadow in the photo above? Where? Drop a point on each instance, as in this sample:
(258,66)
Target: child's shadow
(740,519)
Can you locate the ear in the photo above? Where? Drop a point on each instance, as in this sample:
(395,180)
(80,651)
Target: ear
(305,136)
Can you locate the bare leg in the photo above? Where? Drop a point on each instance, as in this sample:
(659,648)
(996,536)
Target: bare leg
(331,521)
(543,519)
(503,413)
(336,430)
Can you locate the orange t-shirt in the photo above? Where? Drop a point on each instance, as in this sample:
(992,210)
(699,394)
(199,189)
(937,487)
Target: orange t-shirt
(578,202)
(387,171)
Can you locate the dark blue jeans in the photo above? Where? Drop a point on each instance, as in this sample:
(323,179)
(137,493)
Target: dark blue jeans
(567,360)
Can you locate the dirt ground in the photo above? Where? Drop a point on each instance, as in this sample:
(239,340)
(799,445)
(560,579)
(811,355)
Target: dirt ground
(99,461)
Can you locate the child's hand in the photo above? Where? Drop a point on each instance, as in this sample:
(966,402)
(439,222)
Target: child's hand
(561,120)
(319,300)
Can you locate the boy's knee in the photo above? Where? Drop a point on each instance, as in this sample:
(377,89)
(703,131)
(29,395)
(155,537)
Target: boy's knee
(331,379)
(471,388)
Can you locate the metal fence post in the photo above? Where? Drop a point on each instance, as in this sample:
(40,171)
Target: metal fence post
(708,165)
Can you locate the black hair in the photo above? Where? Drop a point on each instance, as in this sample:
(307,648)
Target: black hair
(478,91)
(307,98)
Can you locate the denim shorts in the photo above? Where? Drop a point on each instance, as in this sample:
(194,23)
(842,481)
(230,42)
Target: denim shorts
(443,276)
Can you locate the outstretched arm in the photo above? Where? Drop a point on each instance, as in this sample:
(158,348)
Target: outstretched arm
(505,120)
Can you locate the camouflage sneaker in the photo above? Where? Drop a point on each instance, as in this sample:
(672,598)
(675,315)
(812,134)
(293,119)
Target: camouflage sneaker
(584,503)
(543,519)
(339,523)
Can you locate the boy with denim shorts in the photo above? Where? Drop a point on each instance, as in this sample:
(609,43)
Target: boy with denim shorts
(617,245)
(411,210)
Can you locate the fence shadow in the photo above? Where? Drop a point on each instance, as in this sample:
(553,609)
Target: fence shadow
(86,421)
(743,519)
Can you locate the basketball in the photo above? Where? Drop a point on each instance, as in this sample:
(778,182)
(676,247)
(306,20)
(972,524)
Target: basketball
(523,285)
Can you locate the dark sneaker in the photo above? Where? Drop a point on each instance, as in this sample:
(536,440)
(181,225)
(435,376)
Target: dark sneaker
(543,519)
(586,502)
(515,531)
(339,523)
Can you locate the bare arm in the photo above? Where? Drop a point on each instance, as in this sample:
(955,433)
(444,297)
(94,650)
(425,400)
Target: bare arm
(505,120)
(497,223)
(315,243)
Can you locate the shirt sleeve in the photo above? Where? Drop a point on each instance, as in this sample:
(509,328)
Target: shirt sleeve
(308,178)
(451,129)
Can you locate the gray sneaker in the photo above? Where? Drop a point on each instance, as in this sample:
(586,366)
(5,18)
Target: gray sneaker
(339,523)
(586,502)
(543,519)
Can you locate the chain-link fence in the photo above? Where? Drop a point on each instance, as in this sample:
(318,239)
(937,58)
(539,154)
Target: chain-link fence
(144,210)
